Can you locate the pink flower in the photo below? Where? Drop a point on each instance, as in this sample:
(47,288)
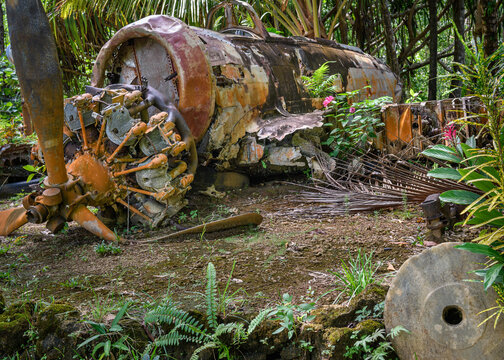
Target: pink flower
(352,110)
(450,132)
(327,101)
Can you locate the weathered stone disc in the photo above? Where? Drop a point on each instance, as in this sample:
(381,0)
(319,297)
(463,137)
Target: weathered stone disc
(431,297)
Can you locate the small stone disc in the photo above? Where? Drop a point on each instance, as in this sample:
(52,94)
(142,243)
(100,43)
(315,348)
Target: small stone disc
(439,301)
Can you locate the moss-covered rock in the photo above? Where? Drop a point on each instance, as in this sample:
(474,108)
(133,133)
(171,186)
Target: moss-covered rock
(14,322)
(48,320)
(59,331)
(372,295)
(339,339)
(338,316)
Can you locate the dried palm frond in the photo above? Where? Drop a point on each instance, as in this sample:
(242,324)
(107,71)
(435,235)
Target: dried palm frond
(369,182)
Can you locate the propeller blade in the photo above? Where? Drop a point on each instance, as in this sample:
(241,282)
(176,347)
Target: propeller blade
(91,223)
(12,219)
(37,67)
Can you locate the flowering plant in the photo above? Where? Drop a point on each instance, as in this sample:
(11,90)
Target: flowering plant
(353,123)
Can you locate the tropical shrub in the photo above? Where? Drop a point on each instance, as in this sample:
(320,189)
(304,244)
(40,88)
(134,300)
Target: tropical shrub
(354,123)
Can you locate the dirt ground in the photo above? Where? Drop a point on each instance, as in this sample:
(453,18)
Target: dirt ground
(286,253)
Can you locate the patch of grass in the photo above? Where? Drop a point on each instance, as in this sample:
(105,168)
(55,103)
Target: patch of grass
(355,274)
(72,283)
(4,249)
(105,249)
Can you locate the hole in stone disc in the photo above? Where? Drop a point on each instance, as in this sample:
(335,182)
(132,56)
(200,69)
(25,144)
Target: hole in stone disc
(453,315)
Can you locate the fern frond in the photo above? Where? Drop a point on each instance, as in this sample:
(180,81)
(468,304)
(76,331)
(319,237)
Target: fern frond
(257,320)
(211,296)
(183,322)
(210,345)
(227,329)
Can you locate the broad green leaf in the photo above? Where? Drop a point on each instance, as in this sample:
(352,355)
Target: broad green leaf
(462,197)
(478,180)
(87,341)
(481,249)
(30,168)
(445,173)
(99,328)
(491,275)
(493,217)
(119,315)
(444,148)
(441,155)
(106,348)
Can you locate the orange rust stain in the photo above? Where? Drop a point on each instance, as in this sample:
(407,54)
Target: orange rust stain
(390,117)
(230,71)
(93,172)
(405,125)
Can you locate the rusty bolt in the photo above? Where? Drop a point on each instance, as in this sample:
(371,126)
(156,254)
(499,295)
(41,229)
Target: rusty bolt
(51,197)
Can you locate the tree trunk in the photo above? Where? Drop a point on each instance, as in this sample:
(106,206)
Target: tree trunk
(343,26)
(459,50)
(432,50)
(390,43)
(2,30)
(490,26)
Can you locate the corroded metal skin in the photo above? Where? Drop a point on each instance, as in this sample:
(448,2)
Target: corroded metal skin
(410,128)
(196,96)
(37,67)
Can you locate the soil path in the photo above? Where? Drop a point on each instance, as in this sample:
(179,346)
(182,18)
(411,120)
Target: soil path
(286,253)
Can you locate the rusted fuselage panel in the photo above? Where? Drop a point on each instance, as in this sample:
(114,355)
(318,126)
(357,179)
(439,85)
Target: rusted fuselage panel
(226,84)
(410,128)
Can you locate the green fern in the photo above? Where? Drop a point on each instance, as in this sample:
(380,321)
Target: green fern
(209,345)
(187,328)
(257,320)
(319,84)
(211,296)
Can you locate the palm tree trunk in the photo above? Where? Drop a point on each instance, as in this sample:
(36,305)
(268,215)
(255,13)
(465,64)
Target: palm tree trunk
(459,50)
(432,50)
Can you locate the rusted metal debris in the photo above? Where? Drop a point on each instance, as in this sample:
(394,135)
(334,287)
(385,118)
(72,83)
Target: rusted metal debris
(410,128)
(213,226)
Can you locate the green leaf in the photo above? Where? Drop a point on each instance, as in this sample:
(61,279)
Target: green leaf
(106,348)
(99,328)
(445,173)
(484,216)
(481,249)
(478,180)
(462,197)
(30,168)
(441,155)
(115,328)
(491,275)
(119,316)
(87,341)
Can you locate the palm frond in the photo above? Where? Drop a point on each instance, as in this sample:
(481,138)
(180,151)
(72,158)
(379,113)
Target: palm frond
(369,182)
